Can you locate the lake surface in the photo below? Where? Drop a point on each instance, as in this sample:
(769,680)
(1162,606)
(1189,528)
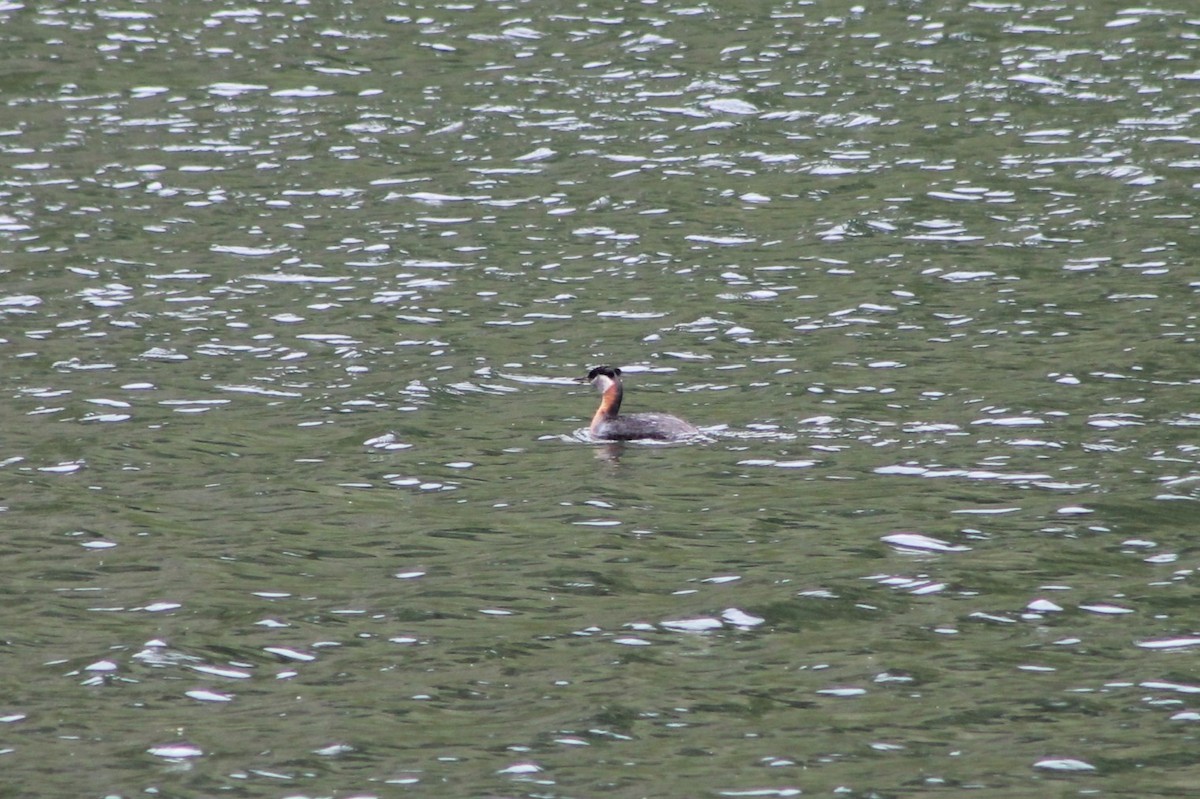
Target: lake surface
(295,492)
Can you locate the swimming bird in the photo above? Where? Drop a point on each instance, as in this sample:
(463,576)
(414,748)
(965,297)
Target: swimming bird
(609,424)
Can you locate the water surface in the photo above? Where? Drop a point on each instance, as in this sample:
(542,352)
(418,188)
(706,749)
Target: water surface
(292,299)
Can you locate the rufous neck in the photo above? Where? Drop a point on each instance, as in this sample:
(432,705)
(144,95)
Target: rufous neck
(610,401)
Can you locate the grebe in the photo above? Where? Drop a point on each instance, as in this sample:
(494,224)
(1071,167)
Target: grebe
(609,425)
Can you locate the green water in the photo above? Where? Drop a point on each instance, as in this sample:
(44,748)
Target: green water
(294,495)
